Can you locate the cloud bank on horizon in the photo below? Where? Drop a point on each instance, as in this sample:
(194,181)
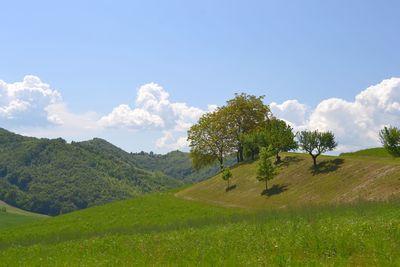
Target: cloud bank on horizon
(34,108)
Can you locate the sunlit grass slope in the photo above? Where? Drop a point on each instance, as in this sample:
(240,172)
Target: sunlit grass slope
(162,230)
(370,152)
(14,216)
(337,180)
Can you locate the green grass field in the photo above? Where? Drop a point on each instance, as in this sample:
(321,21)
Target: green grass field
(163,230)
(14,216)
(370,152)
(315,220)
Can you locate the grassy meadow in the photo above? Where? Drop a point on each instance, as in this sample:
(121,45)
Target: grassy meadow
(12,216)
(162,230)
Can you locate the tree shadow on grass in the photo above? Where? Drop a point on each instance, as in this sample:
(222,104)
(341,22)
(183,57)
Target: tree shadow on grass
(231,187)
(274,190)
(327,166)
(289,160)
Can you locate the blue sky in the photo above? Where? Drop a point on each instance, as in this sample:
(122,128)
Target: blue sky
(97,54)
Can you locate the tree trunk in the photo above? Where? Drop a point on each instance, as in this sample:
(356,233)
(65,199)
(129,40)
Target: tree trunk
(266,185)
(278,158)
(241,153)
(314,160)
(237,157)
(221,163)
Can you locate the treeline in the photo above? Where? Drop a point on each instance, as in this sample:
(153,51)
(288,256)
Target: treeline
(245,127)
(176,164)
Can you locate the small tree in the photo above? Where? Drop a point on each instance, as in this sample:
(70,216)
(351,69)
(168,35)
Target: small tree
(315,143)
(280,135)
(226,176)
(266,168)
(390,138)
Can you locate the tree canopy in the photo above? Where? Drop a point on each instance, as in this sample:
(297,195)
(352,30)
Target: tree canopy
(246,114)
(390,138)
(211,139)
(280,136)
(315,143)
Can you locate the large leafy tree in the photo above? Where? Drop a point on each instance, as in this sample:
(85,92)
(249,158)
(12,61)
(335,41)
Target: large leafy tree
(390,138)
(210,139)
(280,136)
(315,143)
(265,168)
(251,143)
(246,114)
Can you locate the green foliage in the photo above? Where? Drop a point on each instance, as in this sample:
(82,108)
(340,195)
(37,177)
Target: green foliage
(252,142)
(280,136)
(265,167)
(246,114)
(53,177)
(315,143)
(228,129)
(390,138)
(211,139)
(226,176)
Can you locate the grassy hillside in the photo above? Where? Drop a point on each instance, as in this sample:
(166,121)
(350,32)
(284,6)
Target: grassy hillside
(337,180)
(11,216)
(52,177)
(161,229)
(370,152)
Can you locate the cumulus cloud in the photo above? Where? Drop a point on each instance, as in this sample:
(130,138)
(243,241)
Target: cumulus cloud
(355,123)
(291,110)
(154,110)
(26,101)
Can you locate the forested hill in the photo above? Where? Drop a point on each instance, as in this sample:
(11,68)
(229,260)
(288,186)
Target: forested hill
(53,177)
(176,164)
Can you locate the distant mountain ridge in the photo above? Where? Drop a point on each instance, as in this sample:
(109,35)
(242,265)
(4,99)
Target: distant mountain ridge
(50,176)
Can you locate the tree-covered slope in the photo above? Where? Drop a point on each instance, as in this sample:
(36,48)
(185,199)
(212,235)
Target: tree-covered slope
(176,164)
(52,177)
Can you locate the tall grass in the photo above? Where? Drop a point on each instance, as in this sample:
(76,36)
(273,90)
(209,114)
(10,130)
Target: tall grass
(163,230)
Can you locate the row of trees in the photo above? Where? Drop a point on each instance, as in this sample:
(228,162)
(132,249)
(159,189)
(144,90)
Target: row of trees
(246,127)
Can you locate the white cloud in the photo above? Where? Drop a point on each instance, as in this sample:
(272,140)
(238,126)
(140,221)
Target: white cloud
(154,110)
(291,110)
(355,123)
(25,102)
(124,116)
